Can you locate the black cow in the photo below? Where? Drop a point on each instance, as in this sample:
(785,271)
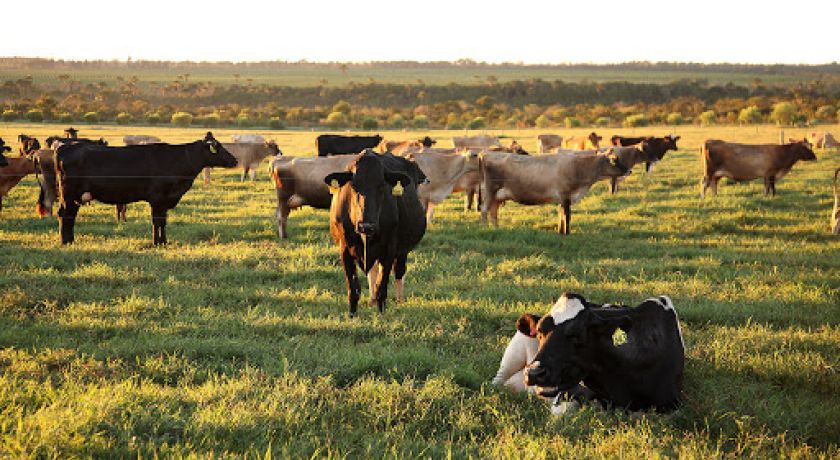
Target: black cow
(653,147)
(159,174)
(576,345)
(428,142)
(331,144)
(28,145)
(376,217)
(53,142)
(4,148)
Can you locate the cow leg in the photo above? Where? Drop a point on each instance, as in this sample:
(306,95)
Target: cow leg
(430,212)
(371,276)
(469,196)
(704,184)
(647,167)
(67,220)
(613,185)
(253,171)
(283,210)
(565,211)
(1,203)
(382,283)
(494,212)
(353,288)
(715,181)
(121,208)
(772,185)
(159,225)
(399,274)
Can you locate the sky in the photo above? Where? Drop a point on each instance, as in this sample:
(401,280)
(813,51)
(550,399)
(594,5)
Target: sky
(531,32)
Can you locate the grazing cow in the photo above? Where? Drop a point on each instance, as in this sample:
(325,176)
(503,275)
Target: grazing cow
(654,147)
(745,162)
(532,180)
(445,173)
(159,174)
(331,144)
(580,143)
(4,148)
(823,140)
(140,139)
(247,138)
(402,148)
(547,142)
(376,218)
(578,357)
(248,155)
(481,141)
(14,170)
(835,214)
(300,182)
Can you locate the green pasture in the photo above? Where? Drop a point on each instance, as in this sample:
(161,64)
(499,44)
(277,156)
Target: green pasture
(231,343)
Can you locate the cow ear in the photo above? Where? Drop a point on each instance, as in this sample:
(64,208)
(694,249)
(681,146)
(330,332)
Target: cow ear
(608,325)
(338,179)
(527,324)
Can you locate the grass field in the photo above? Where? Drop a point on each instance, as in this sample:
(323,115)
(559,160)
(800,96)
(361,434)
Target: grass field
(229,342)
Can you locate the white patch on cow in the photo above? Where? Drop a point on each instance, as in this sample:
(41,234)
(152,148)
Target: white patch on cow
(563,408)
(87,196)
(667,304)
(503,194)
(565,309)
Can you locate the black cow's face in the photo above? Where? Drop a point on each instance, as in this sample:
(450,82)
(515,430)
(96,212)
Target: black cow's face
(427,141)
(272,146)
(671,142)
(804,152)
(569,337)
(369,182)
(216,154)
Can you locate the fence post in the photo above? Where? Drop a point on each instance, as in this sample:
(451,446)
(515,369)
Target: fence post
(781,136)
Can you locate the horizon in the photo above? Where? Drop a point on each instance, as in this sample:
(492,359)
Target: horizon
(536,33)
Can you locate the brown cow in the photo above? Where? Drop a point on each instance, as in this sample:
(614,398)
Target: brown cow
(580,143)
(745,162)
(532,180)
(547,142)
(11,174)
(300,182)
(403,148)
(445,173)
(481,141)
(835,214)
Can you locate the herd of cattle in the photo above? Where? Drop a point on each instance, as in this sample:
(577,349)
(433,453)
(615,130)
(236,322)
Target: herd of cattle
(381,196)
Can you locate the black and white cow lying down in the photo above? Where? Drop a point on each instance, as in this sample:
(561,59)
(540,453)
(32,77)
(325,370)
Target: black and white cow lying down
(570,355)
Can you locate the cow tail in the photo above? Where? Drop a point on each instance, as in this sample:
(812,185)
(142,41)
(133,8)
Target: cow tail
(480,181)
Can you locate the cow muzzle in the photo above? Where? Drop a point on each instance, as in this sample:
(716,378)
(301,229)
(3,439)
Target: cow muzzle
(534,374)
(365,228)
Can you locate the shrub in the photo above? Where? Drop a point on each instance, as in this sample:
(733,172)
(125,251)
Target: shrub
(152,118)
(124,118)
(243,121)
(90,117)
(35,116)
(420,122)
(674,118)
(542,121)
(824,114)
(276,123)
(455,125)
(369,124)
(638,119)
(182,119)
(65,117)
(336,120)
(210,120)
(783,113)
(476,123)
(571,122)
(749,115)
(10,115)
(342,106)
(602,122)
(708,118)
(396,121)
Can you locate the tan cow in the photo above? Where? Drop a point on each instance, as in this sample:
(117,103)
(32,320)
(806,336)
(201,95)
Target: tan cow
(300,182)
(481,141)
(402,148)
(628,156)
(835,214)
(13,173)
(445,173)
(823,140)
(247,138)
(580,142)
(547,142)
(140,139)
(532,180)
(746,162)
(248,155)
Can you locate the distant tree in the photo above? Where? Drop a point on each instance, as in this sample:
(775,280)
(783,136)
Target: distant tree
(396,121)
(749,115)
(153,118)
(708,118)
(602,122)
(276,123)
(91,117)
(476,123)
(674,118)
(343,107)
(571,122)
(369,124)
(636,120)
(244,121)
(825,114)
(182,119)
(65,117)
(336,120)
(35,115)
(211,120)
(10,115)
(420,122)
(783,113)
(124,118)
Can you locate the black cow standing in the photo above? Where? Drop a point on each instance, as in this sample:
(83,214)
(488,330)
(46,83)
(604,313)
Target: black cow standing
(331,144)
(4,148)
(653,147)
(159,174)
(376,217)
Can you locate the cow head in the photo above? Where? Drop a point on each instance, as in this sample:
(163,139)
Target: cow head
(214,154)
(369,183)
(29,145)
(4,147)
(272,146)
(612,164)
(569,338)
(802,150)
(595,139)
(71,133)
(516,147)
(427,141)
